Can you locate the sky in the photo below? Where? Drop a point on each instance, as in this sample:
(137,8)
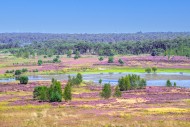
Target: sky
(94,16)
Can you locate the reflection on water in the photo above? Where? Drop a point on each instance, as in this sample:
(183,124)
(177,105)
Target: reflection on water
(159,79)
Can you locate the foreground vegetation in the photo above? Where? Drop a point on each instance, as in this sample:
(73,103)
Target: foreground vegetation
(152,106)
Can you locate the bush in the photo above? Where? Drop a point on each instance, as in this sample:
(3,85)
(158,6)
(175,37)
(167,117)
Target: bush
(154,69)
(124,83)
(100,81)
(77,55)
(121,61)
(24,70)
(117,92)
(52,94)
(67,92)
(55,91)
(175,84)
(55,60)
(36,70)
(106,91)
(79,77)
(57,56)
(23,79)
(45,56)
(41,93)
(69,53)
(168,83)
(40,62)
(110,59)
(142,83)
(75,81)
(131,82)
(148,70)
(101,58)
(18,72)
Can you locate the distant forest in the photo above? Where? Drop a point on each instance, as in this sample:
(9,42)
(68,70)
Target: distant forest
(29,44)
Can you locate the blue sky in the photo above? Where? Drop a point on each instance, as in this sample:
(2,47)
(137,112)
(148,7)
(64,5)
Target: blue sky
(94,16)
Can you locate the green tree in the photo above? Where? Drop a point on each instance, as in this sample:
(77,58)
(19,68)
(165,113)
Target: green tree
(41,93)
(79,76)
(117,92)
(23,79)
(77,55)
(18,72)
(67,95)
(121,61)
(168,83)
(154,69)
(40,62)
(24,70)
(101,58)
(142,83)
(55,91)
(106,91)
(148,70)
(175,84)
(100,81)
(56,60)
(110,59)
(69,53)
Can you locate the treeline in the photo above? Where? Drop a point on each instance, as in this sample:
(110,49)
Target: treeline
(27,38)
(179,46)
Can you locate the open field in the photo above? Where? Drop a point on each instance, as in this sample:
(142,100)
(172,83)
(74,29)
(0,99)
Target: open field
(153,106)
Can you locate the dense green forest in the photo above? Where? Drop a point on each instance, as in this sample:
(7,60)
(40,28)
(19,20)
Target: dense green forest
(178,46)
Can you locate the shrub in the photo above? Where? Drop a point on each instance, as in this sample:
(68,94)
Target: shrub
(142,83)
(77,55)
(117,92)
(67,92)
(52,94)
(106,91)
(69,53)
(23,79)
(175,84)
(100,81)
(24,70)
(131,82)
(45,56)
(124,83)
(40,62)
(154,69)
(121,61)
(7,71)
(148,70)
(50,55)
(41,93)
(36,70)
(79,76)
(57,56)
(55,91)
(110,59)
(55,60)
(168,83)
(75,81)
(18,72)
(101,58)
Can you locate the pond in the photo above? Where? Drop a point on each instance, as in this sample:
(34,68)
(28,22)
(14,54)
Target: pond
(158,79)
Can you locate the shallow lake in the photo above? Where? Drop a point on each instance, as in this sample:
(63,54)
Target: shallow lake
(159,79)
